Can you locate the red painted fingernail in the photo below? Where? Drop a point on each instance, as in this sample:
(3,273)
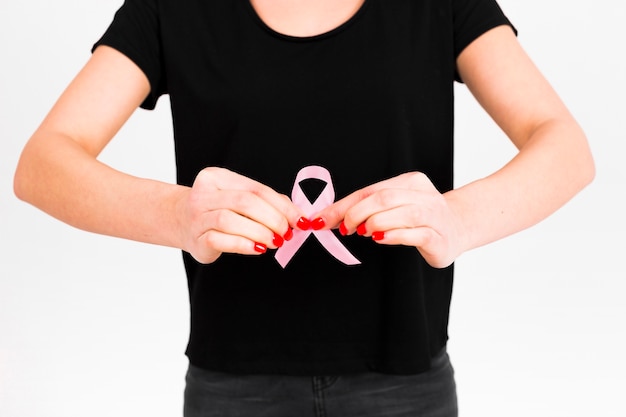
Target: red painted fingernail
(303,224)
(288,235)
(259,247)
(318,224)
(378,235)
(278,240)
(361,229)
(343,229)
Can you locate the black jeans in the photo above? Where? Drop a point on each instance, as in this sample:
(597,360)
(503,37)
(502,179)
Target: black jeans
(430,394)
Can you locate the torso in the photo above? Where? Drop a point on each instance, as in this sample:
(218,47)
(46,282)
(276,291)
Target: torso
(362,88)
(252,88)
(304,18)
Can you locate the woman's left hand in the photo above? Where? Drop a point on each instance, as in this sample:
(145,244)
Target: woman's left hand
(404,210)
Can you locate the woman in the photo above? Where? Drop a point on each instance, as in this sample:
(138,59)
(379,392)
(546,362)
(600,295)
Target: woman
(314,137)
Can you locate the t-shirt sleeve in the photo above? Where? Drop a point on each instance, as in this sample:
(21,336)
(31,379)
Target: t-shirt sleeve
(472,18)
(135,32)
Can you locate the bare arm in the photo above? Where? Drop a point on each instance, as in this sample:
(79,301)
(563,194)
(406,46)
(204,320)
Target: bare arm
(59,173)
(554,163)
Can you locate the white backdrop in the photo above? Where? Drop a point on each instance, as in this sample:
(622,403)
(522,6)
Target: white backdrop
(92,325)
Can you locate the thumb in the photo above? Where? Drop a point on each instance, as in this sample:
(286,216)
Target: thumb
(334,214)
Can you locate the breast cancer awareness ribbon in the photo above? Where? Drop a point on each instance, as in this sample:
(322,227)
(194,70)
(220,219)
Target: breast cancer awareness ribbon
(327,238)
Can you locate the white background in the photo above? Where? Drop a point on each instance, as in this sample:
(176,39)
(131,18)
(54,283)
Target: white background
(92,325)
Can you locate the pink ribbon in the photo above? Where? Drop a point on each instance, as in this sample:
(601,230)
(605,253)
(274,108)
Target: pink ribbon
(327,238)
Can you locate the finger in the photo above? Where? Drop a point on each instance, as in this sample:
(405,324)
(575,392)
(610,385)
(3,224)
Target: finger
(228,180)
(245,204)
(279,201)
(223,179)
(389,209)
(254,207)
(368,217)
(419,237)
(336,213)
(231,223)
(214,240)
(383,210)
(433,247)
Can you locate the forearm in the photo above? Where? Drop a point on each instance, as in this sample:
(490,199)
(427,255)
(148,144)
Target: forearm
(552,166)
(58,176)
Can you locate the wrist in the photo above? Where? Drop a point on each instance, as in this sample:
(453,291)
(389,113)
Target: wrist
(179,216)
(458,222)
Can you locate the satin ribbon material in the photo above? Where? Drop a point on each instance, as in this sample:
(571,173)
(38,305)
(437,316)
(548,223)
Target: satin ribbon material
(327,238)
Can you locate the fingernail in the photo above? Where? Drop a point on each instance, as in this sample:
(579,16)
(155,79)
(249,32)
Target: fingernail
(303,224)
(259,247)
(361,229)
(343,229)
(378,235)
(318,224)
(288,235)
(278,240)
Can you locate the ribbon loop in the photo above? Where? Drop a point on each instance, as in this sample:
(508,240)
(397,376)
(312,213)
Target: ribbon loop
(327,238)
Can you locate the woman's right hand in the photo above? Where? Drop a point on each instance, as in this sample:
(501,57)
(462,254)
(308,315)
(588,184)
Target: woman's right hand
(227,212)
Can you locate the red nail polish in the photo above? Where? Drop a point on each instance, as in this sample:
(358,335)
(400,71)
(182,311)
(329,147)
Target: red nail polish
(278,240)
(361,229)
(259,247)
(303,224)
(318,224)
(378,235)
(343,229)
(288,235)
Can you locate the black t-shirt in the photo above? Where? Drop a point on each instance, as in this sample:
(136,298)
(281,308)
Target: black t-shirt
(368,100)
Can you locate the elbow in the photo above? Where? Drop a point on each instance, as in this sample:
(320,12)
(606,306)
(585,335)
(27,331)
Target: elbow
(582,168)
(586,166)
(25,176)
(18,187)
(590,172)
(21,180)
